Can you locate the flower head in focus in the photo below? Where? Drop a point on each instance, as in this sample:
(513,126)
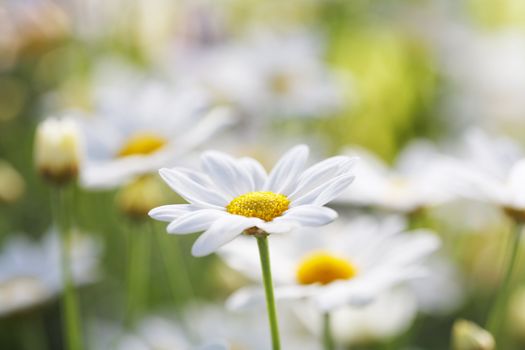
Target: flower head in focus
(347,264)
(58,150)
(235,196)
(141,124)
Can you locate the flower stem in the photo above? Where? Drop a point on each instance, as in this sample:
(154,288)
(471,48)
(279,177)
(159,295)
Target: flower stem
(264,254)
(328,340)
(496,319)
(175,265)
(139,250)
(70,313)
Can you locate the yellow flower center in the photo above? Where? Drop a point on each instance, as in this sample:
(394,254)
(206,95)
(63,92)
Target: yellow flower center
(281,83)
(324,268)
(263,205)
(142,144)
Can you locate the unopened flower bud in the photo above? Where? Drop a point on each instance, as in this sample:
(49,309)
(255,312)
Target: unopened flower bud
(467,335)
(516,313)
(12,185)
(57,150)
(141,195)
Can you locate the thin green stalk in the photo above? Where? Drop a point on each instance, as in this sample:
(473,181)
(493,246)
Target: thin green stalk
(264,254)
(496,319)
(138,266)
(32,333)
(328,340)
(70,313)
(175,266)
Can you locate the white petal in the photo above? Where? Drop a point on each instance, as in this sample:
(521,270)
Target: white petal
(216,119)
(257,172)
(286,172)
(196,176)
(170,212)
(196,221)
(321,173)
(325,193)
(517,184)
(191,190)
(245,298)
(281,226)
(221,232)
(408,248)
(226,174)
(362,290)
(310,215)
(249,297)
(334,189)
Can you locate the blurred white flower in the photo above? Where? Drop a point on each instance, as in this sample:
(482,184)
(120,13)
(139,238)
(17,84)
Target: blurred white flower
(266,75)
(487,69)
(58,149)
(210,328)
(152,333)
(347,264)
(415,182)
(243,331)
(142,124)
(30,271)
(389,315)
(492,171)
(442,291)
(236,196)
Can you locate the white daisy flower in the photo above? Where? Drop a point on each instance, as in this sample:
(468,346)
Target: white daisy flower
(491,171)
(391,314)
(235,196)
(413,183)
(266,74)
(30,272)
(211,328)
(348,264)
(243,331)
(152,332)
(161,124)
(488,75)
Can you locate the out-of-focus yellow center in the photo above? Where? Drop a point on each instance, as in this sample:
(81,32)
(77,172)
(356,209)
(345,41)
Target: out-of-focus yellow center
(263,205)
(324,268)
(281,83)
(142,144)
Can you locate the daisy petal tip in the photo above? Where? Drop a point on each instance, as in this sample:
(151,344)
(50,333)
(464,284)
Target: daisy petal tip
(332,216)
(163,172)
(199,250)
(152,213)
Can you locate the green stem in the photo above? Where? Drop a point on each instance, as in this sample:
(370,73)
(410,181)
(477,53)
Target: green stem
(328,340)
(32,333)
(496,319)
(175,266)
(70,312)
(264,254)
(138,264)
